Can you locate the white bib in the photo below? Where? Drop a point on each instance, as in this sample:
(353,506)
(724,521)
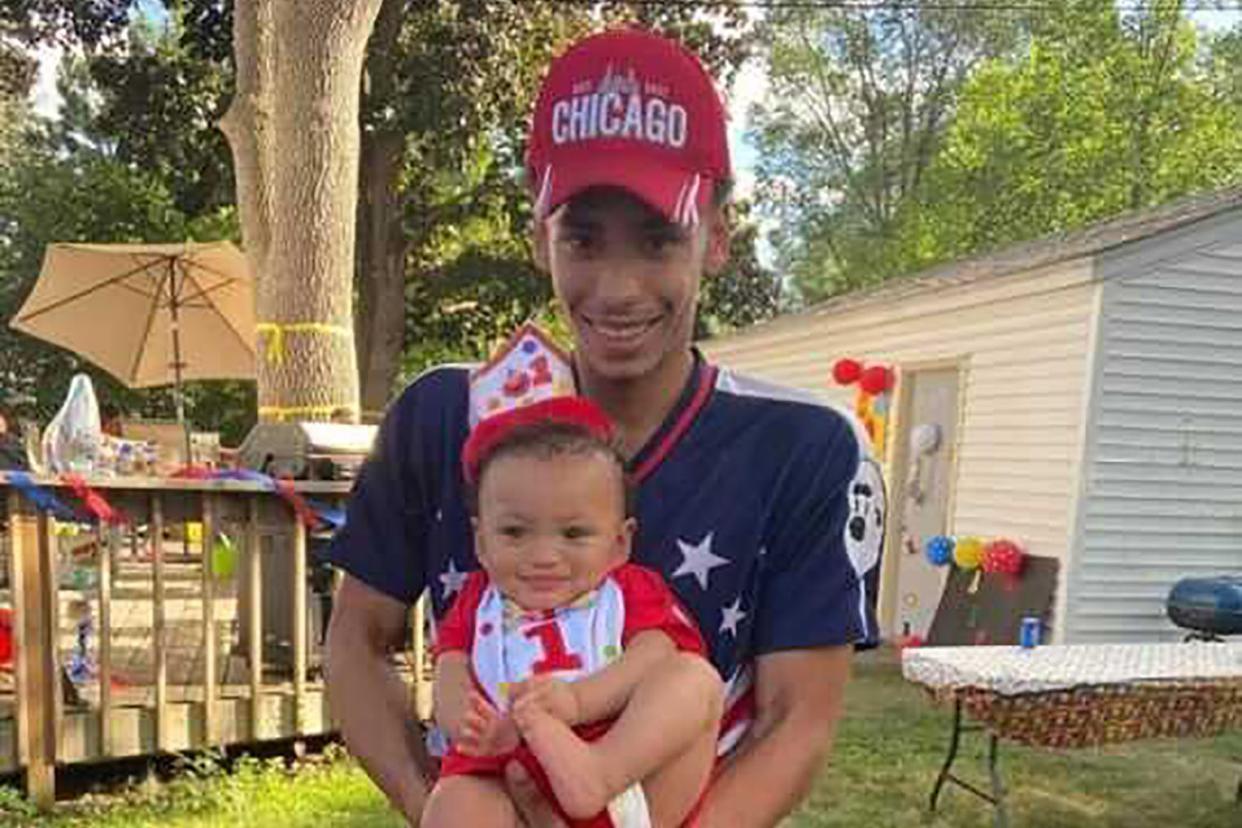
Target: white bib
(569,642)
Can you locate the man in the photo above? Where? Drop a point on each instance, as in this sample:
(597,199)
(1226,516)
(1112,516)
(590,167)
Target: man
(746,492)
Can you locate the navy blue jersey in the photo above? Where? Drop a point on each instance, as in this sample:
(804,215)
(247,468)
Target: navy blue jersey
(758,504)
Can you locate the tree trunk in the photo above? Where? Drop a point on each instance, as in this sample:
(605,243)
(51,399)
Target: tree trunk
(380,322)
(248,127)
(299,70)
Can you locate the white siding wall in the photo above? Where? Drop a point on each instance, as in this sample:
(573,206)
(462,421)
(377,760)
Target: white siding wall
(1164,484)
(1023,340)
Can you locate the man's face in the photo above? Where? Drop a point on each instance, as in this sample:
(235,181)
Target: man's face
(628,279)
(545,545)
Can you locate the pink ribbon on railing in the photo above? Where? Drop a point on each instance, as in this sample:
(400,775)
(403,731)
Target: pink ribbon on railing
(309,518)
(312,515)
(94,502)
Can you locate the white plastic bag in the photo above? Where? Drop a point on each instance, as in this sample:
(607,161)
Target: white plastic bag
(71,440)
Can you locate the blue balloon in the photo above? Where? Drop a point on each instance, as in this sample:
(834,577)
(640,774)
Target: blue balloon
(939,550)
(880,404)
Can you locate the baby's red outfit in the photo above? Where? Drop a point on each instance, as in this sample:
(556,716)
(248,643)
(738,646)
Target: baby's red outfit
(574,641)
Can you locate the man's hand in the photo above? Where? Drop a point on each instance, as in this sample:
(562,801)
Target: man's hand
(557,698)
(484,732)
(535,811)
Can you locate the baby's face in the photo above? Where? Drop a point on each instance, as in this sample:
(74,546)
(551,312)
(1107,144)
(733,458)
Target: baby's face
(550,528)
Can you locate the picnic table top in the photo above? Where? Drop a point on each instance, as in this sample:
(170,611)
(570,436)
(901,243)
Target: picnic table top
(1014,671)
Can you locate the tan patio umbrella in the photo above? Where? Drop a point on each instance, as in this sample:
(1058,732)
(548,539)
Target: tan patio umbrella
(149,314)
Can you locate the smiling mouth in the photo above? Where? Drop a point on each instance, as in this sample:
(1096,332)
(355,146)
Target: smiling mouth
(621,330)
(542,583)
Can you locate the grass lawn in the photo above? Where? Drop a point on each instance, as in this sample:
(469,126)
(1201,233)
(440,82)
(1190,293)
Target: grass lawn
(893,740)
(888,751)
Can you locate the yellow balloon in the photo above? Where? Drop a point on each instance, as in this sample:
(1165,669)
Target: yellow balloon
(881,436)
(968,553)
(862,406)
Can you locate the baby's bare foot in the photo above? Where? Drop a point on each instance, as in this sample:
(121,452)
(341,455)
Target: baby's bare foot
(574,768)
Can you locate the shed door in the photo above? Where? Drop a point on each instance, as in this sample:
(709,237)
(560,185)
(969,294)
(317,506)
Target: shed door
(929,427)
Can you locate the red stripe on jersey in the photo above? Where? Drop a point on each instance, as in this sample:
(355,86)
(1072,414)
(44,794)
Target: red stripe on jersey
(742,710)
(707,382)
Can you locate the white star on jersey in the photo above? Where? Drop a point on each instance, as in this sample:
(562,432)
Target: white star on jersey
(697,560)
(452,580)
(731,615)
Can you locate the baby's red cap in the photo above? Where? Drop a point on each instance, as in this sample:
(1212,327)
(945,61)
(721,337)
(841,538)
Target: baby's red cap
(491,432)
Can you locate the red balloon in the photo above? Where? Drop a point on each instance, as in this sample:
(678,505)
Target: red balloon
(1004,557)
(847,371)
(876,380)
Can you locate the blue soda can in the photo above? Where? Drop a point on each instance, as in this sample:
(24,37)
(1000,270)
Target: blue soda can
(1030,632)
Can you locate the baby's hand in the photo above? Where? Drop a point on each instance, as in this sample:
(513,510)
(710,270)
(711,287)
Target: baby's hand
(484,732)
(555,697)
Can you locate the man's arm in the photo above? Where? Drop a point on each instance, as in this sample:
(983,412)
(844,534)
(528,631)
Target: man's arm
(799,696)
(450,694)
(367,697)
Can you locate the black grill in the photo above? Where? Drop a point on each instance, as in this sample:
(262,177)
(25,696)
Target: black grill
(1209,607)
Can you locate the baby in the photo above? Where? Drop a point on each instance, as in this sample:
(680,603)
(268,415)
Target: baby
(559,654)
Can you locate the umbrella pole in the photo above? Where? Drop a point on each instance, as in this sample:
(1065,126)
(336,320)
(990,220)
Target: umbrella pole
(178,393)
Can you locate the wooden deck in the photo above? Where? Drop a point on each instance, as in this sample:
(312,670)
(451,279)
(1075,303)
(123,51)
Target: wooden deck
(175,649)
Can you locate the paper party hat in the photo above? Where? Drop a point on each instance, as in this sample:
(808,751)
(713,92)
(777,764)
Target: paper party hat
(528,368)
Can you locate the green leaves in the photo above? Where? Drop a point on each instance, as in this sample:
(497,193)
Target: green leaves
(745,293)
(907,136)
(87,23)
(1115,118)
(858,101)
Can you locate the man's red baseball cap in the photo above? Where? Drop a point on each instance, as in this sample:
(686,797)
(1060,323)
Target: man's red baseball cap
(630,109)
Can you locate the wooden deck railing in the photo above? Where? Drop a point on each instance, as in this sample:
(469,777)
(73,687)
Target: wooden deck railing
(282,693)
